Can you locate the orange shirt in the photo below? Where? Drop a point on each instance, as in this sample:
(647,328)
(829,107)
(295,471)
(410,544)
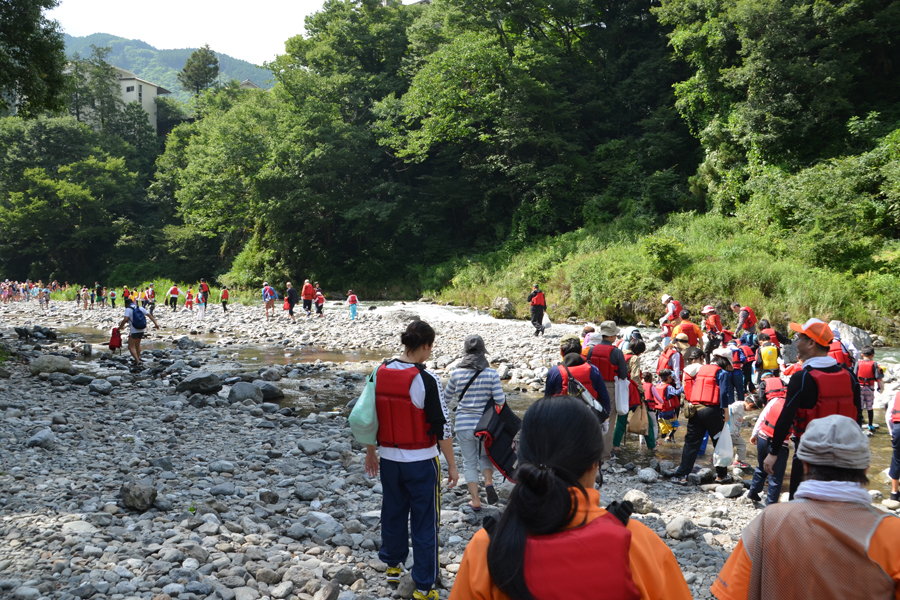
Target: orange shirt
(734,578)
(714,323)
(653,566)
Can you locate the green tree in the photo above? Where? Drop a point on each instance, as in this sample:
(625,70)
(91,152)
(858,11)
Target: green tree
(200,70)
(32,58)
(79,100)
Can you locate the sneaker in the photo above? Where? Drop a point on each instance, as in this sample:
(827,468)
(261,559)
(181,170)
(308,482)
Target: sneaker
(429,595)
(895,496)
(754,497)
(872,428)
(740,464)
(869,433)
(393,575)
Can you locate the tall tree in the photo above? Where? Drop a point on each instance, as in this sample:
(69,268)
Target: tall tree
(200,70)
(99,93)
(32,58)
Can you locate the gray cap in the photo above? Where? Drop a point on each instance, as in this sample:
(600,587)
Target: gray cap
(835,441)
(608,328)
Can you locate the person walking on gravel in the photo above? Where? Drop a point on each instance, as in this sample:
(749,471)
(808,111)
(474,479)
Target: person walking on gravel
(353,301)
(136,317)
(308,293)
(268,295)
(292,299)
(538,307)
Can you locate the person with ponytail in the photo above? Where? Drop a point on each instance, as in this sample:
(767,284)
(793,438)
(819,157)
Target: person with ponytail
(412,424)
(554,540)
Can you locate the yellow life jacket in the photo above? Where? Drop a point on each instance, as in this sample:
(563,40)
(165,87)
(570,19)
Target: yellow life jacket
(769,355)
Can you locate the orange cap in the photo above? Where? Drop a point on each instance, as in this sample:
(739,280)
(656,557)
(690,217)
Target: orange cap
(816,330)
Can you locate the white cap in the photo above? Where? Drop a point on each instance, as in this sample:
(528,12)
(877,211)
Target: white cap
(723,352)
(666,298)
(835,441)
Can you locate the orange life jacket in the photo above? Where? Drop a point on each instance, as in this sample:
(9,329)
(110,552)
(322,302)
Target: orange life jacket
(714,324)
(598,355)
(581,373)
(705,390)
(837,352)
(556,565)
(400,423)
(835,398)
(866,373)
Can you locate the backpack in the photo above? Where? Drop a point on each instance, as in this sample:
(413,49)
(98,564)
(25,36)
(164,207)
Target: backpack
(138,318)
(115,339)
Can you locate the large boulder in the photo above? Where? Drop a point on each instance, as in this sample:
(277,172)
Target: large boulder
(201,382)
(245,391)
(48,363)
(404,316)
(138,496)
(269,390)
(849,334)
(42,439)
(502,308)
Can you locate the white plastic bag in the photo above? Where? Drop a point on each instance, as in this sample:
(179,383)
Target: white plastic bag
(546,322)
(364,418)
(722,456)
(621,396)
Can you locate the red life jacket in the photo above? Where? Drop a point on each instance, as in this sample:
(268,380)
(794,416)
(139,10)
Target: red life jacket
(557,566)
(866,373)
(736,357)
(538,300)
(895,409)
(663,362)
(634,394)
(204,288)
(224,294)
(669,401)
(835,398)
(714,324)
(751,317)
(598,355)
(837,352)
(678,309)
(581,373)
(727,336)
(768,426)
(648,395)
(794,368)
(687,328)
(748,352)
(115,339)
(775,388)
(705,390)
(773,337)
(400,423)
(688,383)
(352,300)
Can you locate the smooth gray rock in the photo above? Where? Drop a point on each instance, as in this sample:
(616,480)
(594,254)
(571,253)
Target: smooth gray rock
(223,489)
(42,439)
(82,379)
(269,390)
(305,491)
(27,593)
(849,334)
(329,591)
(101,386)
(48,363)
(138,496)
(310,446)
(731,490)
(245,391)
(271,374)
(641,502)
(648,476)
(221,466)
(282,590)
(681,528)
(296,531)
(201,382)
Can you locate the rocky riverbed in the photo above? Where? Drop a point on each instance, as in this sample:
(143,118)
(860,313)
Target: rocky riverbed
(209,476)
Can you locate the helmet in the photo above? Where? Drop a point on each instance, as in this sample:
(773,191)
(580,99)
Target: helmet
(666,298)
(707,309)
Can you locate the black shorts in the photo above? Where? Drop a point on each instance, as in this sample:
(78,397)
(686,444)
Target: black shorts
(137,336)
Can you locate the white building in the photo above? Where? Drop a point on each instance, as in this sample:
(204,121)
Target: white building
(135,89)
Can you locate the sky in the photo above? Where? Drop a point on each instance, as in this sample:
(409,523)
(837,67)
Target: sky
(254,31)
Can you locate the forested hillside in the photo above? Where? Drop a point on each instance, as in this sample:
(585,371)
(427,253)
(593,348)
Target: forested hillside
(611,150)
(162,66)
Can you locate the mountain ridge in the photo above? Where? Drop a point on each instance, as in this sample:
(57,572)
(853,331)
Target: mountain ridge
(161,66)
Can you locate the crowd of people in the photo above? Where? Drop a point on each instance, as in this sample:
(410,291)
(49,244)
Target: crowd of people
(26,291)
(537,549)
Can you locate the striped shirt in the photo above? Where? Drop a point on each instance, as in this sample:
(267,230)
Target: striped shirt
(472,405)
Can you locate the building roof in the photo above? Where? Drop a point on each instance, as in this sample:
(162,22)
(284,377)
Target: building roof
(249,85)
(125,75)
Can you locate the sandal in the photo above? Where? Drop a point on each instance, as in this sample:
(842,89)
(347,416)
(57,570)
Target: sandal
(474,508)
(492,496)
(679,480)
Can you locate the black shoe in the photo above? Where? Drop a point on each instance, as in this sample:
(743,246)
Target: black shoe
(895,496)
(492,496)
(537,332)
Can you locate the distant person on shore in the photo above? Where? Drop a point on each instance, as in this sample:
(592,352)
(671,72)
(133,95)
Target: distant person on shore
(268,295)
(308,293)
(201,306)
(538,306)
(892,415)
(291,296)
(172,296)
(476,385)
(189,299)
(224,298)
(92,299)
(870,377)
(353,301)
(151,298)
(320,303)
(832,543)
(554,540)
(112,297)
(204,290)
(136,317)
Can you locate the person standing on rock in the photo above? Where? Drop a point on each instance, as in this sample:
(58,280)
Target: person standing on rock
(320,303)
(554,540)
(711,394)
(746,318)
(268,295)
(671,318)
(793,550)
(610,361)
(477,386)
(820,389)
(353,301)
(412,424)
(292,299)
(308,293)
(136,317)
(538,306)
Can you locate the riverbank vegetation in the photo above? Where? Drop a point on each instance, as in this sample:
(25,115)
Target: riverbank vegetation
(610,150)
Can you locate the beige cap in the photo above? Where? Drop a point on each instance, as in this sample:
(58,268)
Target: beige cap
(682,340)
(835,441)
(608,328)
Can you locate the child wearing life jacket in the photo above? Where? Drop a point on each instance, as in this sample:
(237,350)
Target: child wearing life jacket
(189,301)
(320,302)
(767,356)
(650,399)
(775,391)
(225,296)
(666,395)
(870,377)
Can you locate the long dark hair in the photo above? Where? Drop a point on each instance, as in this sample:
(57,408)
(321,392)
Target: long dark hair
(560,440)
(418,333)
